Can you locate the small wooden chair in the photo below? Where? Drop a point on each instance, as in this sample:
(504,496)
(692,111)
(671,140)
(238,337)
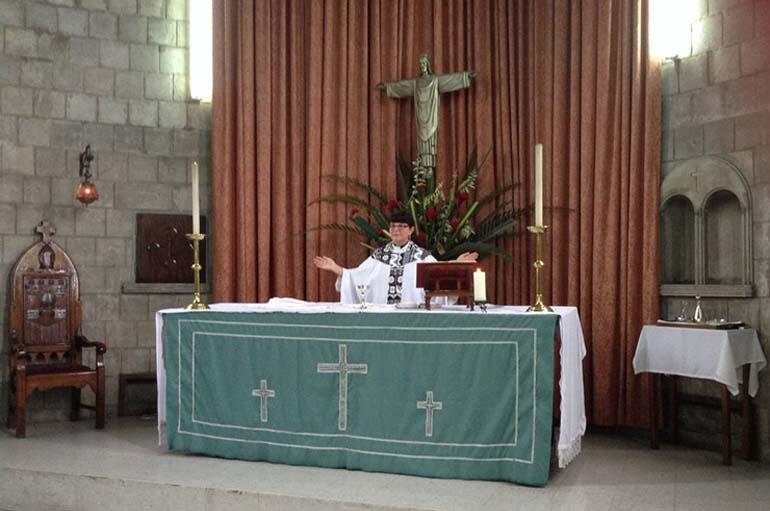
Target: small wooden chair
(46,342)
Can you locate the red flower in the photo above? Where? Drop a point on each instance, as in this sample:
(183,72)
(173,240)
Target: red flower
(431,213)
(460,198)
(421,187)
(421,238)
(380,232)
(454,222)
(353,212)
(392,204)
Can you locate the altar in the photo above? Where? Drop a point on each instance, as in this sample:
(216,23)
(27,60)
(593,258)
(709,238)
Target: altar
(447,393)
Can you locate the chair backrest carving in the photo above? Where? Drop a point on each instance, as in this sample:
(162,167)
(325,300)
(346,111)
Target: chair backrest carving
(45,302)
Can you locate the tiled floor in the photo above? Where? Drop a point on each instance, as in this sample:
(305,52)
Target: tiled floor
(612,473)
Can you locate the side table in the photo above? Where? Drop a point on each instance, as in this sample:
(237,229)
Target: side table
(730,357)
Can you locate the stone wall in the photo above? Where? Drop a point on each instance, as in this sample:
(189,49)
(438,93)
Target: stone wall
(717,102)
(112,74)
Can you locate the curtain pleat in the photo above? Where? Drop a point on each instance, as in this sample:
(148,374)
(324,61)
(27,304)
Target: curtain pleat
(295,100)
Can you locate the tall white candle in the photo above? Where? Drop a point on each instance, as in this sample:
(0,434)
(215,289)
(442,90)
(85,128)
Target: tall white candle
(479,286)
(196,207)
(538,185)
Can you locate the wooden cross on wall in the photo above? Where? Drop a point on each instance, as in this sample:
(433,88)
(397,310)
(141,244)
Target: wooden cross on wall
(46,230)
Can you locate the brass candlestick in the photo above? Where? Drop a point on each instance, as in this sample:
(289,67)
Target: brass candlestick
(538,231)
(196,304)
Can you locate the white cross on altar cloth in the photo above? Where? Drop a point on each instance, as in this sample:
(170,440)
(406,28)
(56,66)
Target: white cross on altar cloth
(343,368)
(429,406)
(263,393)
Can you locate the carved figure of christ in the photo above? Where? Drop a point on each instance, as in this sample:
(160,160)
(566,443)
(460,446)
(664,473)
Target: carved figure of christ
(426,90)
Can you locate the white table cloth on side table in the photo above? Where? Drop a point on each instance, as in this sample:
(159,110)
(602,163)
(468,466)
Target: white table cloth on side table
(724,356)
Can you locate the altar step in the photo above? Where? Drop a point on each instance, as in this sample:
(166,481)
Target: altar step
(29,490)
(72,467)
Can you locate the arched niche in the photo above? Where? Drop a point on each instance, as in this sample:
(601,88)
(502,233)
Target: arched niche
(705,230)
(677,241)
(723,238)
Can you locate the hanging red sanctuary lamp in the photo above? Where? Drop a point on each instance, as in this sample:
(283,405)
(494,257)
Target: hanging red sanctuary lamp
(87,190)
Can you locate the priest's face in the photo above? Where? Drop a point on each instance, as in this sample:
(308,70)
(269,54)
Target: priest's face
(400,233)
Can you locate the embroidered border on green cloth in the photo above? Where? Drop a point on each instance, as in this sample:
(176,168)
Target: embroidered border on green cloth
(442,395)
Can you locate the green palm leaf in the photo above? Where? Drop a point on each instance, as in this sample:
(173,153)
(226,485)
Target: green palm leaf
(501,210)
(366,228)
(368,189)
(495,230)
(496,211)
(470,166)
(349,199)
(497,224)
(336,227)
(472,170)
(471,246)
(453,187)
(405,178)
(446,242)
(496,193)
(354,201)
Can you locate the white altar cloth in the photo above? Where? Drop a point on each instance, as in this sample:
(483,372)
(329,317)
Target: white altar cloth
(701,353)
(573,418)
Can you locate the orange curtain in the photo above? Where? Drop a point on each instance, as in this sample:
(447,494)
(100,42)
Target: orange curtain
(598,115)
(295,99)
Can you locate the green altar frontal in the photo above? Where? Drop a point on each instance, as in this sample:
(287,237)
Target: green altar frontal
(441,395)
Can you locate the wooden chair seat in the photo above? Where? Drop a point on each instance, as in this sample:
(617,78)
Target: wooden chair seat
(36,369)
(45,336)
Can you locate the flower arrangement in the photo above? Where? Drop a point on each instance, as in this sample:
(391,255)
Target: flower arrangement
(445,222)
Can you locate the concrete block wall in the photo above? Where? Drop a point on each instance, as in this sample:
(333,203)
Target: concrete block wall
(716,101)
(112,74)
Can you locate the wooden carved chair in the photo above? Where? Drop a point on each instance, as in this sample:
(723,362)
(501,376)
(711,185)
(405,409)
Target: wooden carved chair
(46,342)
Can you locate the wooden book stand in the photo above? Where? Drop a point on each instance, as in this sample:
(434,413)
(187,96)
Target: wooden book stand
(446,279)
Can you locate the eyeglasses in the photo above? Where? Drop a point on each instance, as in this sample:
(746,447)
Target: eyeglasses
(393,227)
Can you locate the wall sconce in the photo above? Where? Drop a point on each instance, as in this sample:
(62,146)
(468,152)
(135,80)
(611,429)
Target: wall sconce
(87,190)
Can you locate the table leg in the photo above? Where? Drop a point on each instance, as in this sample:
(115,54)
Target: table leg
(653,403)
(726,434)
(672,421)
(748,416)
(122,395)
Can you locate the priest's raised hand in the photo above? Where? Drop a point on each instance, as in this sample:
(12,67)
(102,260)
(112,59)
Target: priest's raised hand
(468,257)
(328,264)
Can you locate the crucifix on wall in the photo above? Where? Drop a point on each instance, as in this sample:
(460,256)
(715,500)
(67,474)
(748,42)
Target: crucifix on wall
(426,90)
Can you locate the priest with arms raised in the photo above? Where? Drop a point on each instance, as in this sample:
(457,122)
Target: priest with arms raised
(390,272)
